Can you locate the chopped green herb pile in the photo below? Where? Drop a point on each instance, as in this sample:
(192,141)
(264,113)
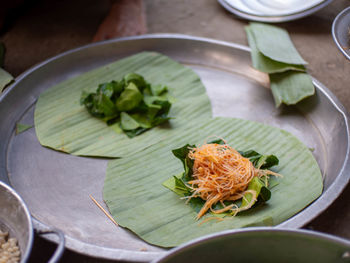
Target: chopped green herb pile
(132,104)
(273,52)
(180,183)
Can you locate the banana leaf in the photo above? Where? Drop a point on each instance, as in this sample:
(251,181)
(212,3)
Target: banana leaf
(61,123)
(275,43)
(273,52)
(290,87)
(137,200)
(264,63)
(21,127)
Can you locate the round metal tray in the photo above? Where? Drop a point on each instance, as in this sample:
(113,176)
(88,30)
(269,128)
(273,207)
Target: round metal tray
(341,32)
(273,11)
(56,186)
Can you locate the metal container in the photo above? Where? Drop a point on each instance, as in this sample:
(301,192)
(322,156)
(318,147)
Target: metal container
(56,186)
(341,32)
(16,220)
(262,245)
(273,11)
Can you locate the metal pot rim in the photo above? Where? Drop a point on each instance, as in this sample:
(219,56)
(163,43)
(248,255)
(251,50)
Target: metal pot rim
(204,239)
(28,248)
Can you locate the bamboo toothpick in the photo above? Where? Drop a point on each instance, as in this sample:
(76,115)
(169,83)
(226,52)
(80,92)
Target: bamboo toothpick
(103,210)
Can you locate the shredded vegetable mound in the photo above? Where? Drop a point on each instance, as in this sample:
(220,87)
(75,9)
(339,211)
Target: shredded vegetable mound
(220,173)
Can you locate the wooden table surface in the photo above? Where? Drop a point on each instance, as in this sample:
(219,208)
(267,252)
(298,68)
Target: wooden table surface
(47,28)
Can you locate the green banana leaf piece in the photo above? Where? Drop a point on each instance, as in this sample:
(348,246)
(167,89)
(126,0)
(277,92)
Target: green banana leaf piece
(137,200)
(5,79)
(275,43)
(264,63)
(21,127)
(61,123)
(290,87)
(273,52)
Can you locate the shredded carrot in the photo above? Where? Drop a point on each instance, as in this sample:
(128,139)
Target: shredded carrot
(220,173)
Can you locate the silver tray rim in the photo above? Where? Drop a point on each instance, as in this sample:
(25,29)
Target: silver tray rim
(336,31)
(297,221)
(274,19)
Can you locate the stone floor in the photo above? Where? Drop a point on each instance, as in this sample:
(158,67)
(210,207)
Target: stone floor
(48,28)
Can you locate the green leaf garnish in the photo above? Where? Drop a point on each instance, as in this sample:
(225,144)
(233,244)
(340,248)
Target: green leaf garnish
(182,155)
(261,190)
(132,102)
(259,160)
(216,141)
(178,184)
(129,99)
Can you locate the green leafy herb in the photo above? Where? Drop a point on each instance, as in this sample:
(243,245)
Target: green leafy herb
(182,155)
(179,183)
(261,190)
(259,160)
(135,105)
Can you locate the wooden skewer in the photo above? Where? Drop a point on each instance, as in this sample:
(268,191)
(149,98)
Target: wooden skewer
(103,210)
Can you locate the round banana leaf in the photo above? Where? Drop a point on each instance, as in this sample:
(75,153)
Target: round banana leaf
(137,200)
(61,123)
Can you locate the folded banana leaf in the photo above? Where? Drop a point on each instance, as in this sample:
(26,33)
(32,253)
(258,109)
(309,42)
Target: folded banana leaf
(136,198)
(275,43)
(264,63)
(273,52)
(290,87)
(62,124)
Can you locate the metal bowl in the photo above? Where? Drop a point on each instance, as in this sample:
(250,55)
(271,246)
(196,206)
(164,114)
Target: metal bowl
(262,245)
(16,220)
(341,32)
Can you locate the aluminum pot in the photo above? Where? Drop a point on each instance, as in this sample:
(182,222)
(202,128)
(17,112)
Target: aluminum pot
(262,244)
(15,219)
(341,32)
